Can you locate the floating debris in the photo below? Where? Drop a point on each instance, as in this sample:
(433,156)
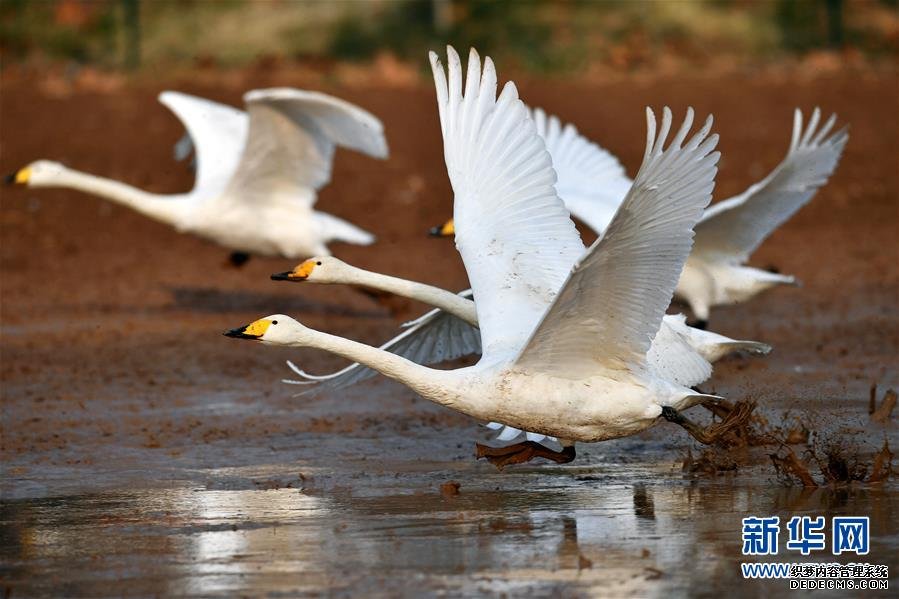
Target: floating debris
(884,413)
(790,468)
(883,464)
(711,462)
(583,563)
(839,463)
(450,488)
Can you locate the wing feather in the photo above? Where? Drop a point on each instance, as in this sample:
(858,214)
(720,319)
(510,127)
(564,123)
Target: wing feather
(672,356)
(291,141)
(591,181)
(514,234)
(218,133)
(732,229)
(612,304)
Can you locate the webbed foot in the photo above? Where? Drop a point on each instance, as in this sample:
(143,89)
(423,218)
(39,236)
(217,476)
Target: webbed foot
(519,453)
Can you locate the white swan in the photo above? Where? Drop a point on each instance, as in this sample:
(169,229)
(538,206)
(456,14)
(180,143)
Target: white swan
(593,183)
(257,172)
(678,352)
(577,370)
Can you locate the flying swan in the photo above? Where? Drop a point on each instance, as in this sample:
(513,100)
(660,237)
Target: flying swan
(578,370)
(257,172)
(593,183)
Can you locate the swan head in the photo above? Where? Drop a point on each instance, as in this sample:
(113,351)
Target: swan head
(447,229)
(36,174)
(276,329)
(319,269)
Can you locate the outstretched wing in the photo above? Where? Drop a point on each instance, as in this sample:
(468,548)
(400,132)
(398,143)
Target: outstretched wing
(514,234)
(291,141)
(218,134)
(611,306)
(436,337)
(590,180)
(734,228)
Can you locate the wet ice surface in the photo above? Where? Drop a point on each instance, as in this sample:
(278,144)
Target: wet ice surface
(575,530)
(363,512)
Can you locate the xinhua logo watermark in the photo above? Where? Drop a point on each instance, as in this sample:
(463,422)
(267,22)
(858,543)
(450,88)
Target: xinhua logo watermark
(760,535)
(807,536)
(850,535)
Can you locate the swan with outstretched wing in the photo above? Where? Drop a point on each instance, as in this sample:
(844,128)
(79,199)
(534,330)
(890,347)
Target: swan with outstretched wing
(257,172)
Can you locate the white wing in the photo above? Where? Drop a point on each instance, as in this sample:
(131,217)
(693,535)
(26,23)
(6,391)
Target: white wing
(591,181)
(672,356)
(611,306)
(509,433)
(218,133)
(514,234)
(435,337)
(291,141)
(734,228)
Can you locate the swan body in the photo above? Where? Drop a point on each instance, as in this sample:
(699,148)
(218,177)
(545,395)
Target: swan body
(564,347)
(593,183)
(257,172)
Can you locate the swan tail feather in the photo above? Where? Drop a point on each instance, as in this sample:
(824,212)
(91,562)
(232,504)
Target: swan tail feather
(690,398)
(753,347)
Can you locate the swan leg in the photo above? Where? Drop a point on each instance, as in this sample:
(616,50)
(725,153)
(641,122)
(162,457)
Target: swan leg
(734,417)
(520,453)
(238,259)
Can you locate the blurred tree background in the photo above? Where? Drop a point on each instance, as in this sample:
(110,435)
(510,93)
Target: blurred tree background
(538,35)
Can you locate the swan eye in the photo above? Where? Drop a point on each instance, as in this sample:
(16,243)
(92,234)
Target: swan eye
(319,263)
(274,322)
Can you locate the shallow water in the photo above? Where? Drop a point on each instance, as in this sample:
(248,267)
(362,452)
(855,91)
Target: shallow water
(624,520)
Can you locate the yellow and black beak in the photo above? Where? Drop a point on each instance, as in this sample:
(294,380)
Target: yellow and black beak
(287,275)
(254,330)
(19,177)
(240,333)
(447,229)
(298,274)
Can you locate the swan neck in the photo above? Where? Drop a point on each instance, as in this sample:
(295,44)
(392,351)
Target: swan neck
(168,209)
(425,381)
(433,296)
